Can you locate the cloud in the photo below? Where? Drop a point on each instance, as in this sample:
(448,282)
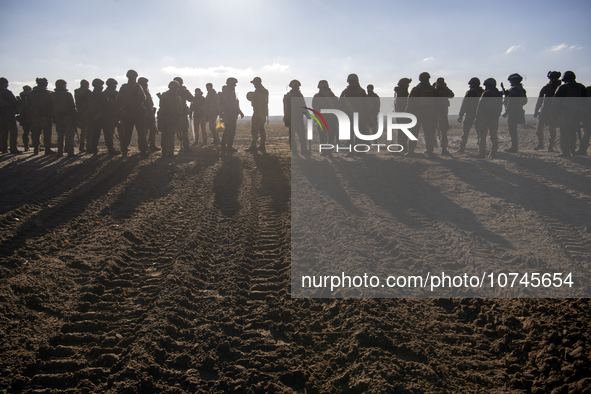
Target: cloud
(512,48)
(562,46)
(220,71)
(86,65)
(428,59)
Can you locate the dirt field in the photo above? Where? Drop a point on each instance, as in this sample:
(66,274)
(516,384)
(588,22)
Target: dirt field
(173,275)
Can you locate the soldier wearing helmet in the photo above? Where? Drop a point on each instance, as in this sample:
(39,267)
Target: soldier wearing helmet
(9,107)
(350,105)
(401,94)
(23,117)
(295,123)
(468,109)
(169,116)
(185,96)
(39,107)
(442,94)
(212,110)
(64,117)
(374,106)
(326,99)
(515,100)
(230,110)
(197,113)
(421,104)
(260,106)
(100,108)
(112,115)
(131,105)
(150,115)
(543,111)
(571,108)
(81,97)
(586,125)
(490,106)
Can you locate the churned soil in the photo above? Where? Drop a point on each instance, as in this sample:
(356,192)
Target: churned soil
(130,275)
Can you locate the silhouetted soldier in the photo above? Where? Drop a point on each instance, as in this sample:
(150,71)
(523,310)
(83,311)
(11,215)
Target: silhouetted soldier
(326,99)
(212,110)
(297,126)
(39,106)
(373,109)
(570,106)
(486,122)
(81,96)
(112,112)
(260,106)
(515,100)
(185,96)
(586,125)
(354,90)
(150,115)
(401,94)
(24,118)
(544,111)
(230,109)
(197,113)
(64,117)
(421,104)
(468,109)
(443,94)
(9,108)
(100,108)
(130,103)
(169,116)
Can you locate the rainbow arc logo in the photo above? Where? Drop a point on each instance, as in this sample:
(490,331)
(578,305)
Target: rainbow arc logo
(315,115)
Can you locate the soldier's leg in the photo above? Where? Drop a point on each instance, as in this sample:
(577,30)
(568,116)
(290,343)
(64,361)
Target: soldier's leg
(430,132)
(512,126)
(13,136)
(47,130)
(415,131)
(60,130)
(540,132)
(96,135)
(263,134)
(26,132)
(254,132)
(35,135)
(142,134)
(69,139)
(444,124)
(125,135)
(214,133)
(108,133)
(3,136)
(482,130)
(468,122)
(494,137)
(231,127)
(553,125)
(185,135)
(201,125)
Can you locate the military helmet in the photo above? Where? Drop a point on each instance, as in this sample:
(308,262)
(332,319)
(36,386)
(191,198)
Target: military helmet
(256,79)
(231,80)
(440,80)
(111,82)
(131,74)
(84,83)
(515,77)
(295,84)
(60,83)
(250,96)
(404,81)
(352,78)
(197,90)
(554,74)
(142,80)
(97,82)
(209,85)
(3,81)
(323,84)
(569,76)
(370,87)
(474,81)
(41,81)
(173,85)
(490,82)
(424,76)
(26,88)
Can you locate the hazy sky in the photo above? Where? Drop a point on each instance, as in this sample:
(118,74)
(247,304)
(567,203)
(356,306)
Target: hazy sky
(208,41)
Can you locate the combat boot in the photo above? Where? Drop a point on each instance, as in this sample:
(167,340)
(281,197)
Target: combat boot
(26,144)
(539,146)
(36,150)
(462,147)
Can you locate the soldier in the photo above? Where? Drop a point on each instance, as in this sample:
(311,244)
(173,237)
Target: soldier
(297,126)
(197,113)
(260,105)
(39,107)
(586,125)
(112,114)
(9,107)
(169,116)
(23,117)
(230,109)
(570,106)
(130,103)
(490,106)
(401,94)
(544,113)
(373,109)
(326,99)
(81,95)
(443,94)
(185,96)
(100,108)
(421,104)
(212,110)
(468,109)
(64,117)
(354,90)
(515,99)
(150,115)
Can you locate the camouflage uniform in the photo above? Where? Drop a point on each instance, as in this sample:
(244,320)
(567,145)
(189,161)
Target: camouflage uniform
(39,107)
(570,106)
(326,99)
(354,90)
(99,107)
(185,96)
(544,113)
(586,126)
(169,116)
(152,129)
(373,109)
(297,126)
(212,110)
(24,118)
(490,106)
(9,107)
(468,109)
(112,114)
(421,104)
(81,96)
(230,109)
(443,94)
(197,113)
(260,106)
(64,117)
(401,94)
(515,100)
(130,103)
